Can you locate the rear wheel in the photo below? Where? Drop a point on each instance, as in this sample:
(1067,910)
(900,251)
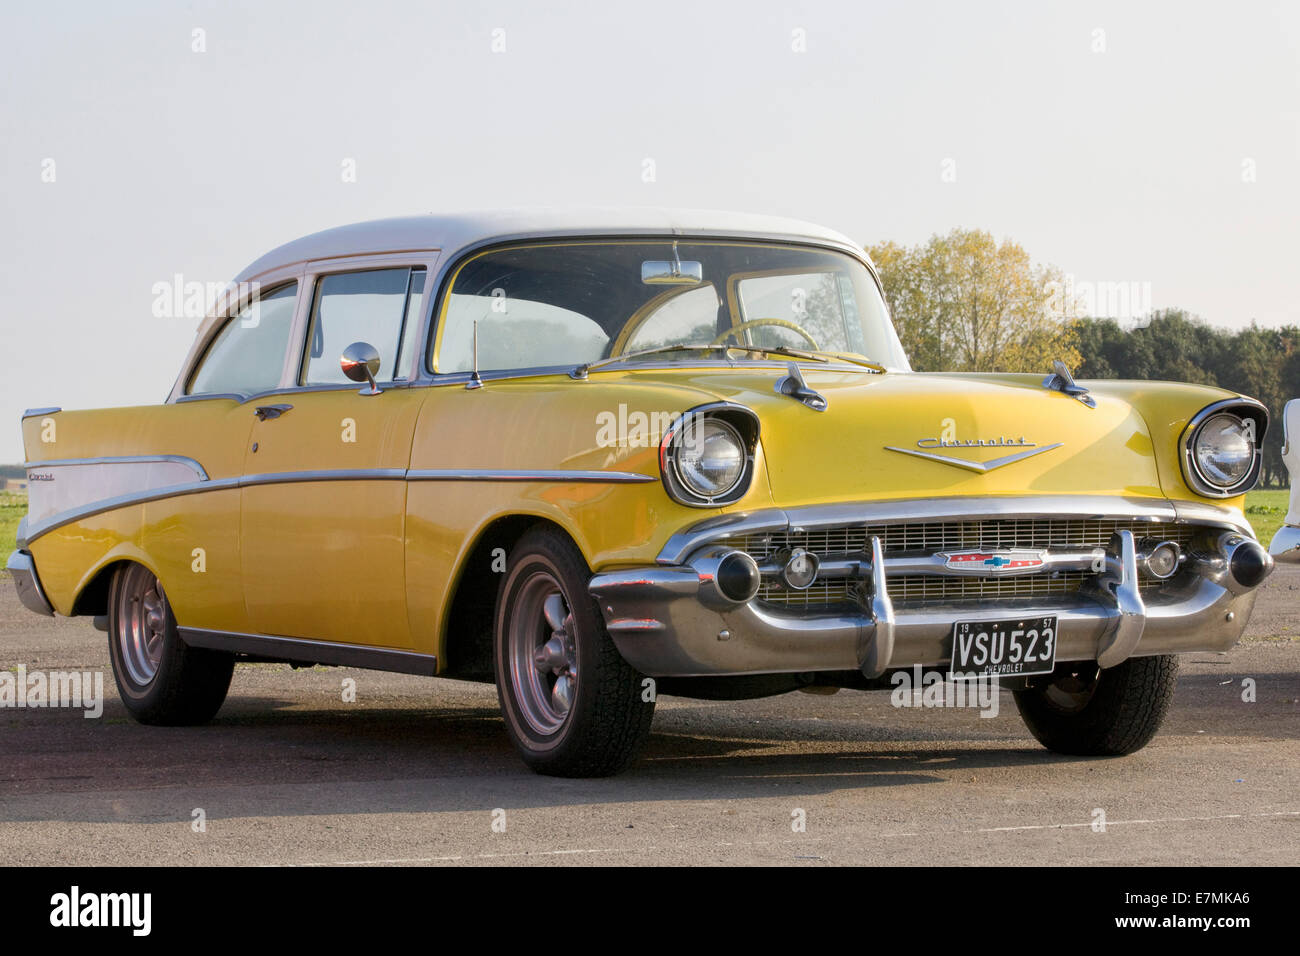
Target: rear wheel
(573,707)
(160,679)
(1083,710)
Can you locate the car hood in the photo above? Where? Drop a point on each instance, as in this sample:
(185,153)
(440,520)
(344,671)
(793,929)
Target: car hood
(910,435)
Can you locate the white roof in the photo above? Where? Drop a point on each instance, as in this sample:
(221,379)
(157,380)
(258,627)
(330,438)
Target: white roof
(456,231)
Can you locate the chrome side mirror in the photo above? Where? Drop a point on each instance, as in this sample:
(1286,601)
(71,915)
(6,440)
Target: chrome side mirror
(360,362)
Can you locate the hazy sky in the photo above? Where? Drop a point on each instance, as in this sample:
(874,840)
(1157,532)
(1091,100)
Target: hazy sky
(1156,143)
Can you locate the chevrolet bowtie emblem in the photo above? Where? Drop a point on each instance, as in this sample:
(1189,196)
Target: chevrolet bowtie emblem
(979,467)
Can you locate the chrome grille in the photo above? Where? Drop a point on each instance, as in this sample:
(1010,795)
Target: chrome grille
(921,588)
(933,536)
(1057,534)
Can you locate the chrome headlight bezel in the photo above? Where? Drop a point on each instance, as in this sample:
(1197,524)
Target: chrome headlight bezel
(740,421)
(1244,410)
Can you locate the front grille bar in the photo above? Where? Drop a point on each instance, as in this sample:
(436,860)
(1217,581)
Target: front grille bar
(857,566)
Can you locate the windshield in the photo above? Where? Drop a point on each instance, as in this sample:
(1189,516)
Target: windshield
(576,303)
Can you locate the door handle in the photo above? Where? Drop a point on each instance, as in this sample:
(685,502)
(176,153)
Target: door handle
(263,412)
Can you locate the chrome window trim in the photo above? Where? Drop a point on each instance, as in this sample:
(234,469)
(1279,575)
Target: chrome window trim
(90,510)
(228,310)
(230,396)
(306,273)
(449,263)
(122,460)
(543,371)
(319,269)
(1187,440)
(917,510)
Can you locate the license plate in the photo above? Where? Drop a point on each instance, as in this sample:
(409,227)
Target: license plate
(1007,648)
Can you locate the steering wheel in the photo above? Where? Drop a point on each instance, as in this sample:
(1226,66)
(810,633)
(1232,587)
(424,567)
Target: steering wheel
(755,323)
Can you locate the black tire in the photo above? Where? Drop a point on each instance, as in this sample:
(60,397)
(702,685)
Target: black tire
(1084,711)
(188,685)
(605,719)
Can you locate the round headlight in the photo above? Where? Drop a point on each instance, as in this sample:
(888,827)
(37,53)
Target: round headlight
(1224,450)
(710,457)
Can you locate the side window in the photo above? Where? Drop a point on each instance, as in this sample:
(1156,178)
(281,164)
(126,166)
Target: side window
(247,355)
(381,307)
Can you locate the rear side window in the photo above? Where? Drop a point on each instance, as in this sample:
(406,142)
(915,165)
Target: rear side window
(247,356)
(381,307)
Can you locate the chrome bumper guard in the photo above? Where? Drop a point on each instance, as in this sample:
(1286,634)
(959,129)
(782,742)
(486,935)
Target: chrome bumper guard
(673,621)
(28,584)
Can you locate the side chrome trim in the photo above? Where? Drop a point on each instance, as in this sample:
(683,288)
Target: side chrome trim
(62,518)
(33,412)
(317,652)
(123,460)
(28,583)
(523,474)
(915,510)
(58,520)
(311,477)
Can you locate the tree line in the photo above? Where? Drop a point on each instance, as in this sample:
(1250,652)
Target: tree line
(965,302)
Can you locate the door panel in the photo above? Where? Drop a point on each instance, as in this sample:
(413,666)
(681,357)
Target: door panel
(323,516)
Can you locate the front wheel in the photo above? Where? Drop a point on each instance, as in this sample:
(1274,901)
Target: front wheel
(573,707)
(160,678)
(1082,710)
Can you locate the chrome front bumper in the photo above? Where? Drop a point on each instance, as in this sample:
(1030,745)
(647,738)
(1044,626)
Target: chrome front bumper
(1285,545)
(671,621)
(28,583)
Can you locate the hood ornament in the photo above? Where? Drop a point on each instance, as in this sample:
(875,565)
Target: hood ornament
(1062,381)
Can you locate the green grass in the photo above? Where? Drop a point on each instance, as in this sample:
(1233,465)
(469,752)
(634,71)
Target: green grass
(13,505)
(1266,510)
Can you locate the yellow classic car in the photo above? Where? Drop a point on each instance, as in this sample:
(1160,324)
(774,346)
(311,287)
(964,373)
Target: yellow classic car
(599,456)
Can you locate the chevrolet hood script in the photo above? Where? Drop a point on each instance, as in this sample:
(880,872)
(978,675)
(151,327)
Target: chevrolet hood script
(980,467)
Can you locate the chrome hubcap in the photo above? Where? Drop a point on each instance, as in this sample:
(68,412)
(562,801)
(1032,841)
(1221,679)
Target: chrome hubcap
(142,625)
(543,654)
